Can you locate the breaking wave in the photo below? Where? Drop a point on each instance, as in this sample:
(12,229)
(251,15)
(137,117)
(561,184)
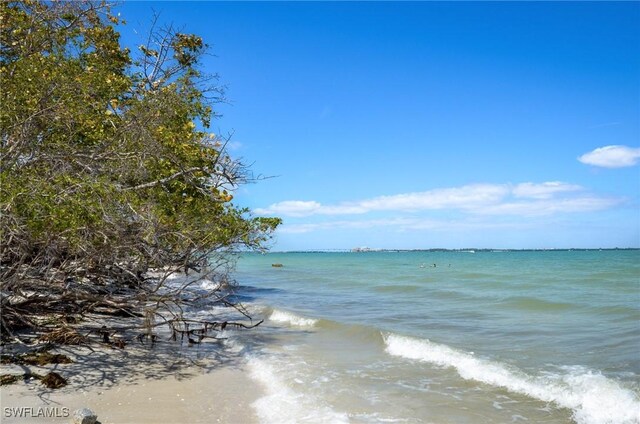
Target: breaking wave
(593,398)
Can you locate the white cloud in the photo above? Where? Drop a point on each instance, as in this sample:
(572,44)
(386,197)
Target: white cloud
(464,197)
(469,207)
(331,225)
(291,208)
(399,224)
(544,190)
(612,156)
(525,199)
(550,206)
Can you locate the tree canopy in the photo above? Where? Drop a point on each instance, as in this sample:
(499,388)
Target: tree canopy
(107,166)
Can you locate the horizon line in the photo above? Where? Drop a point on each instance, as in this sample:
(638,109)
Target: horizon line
(439,249)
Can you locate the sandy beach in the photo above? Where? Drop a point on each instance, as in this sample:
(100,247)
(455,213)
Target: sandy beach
(136,385)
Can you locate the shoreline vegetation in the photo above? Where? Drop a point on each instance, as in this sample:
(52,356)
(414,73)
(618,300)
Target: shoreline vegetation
(116,214)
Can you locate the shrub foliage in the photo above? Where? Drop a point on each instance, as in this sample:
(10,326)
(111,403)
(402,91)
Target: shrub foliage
(107,166)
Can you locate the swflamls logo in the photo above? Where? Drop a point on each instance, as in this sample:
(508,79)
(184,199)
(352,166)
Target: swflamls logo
(40,412)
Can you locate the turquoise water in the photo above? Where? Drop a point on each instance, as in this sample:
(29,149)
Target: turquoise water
(447,337)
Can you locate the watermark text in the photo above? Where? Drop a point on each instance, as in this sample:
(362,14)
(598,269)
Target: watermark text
(37,412)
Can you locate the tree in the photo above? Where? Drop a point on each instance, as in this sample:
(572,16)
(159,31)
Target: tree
(108,171)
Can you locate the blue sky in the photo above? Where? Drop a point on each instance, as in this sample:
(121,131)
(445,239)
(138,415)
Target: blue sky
(427,124)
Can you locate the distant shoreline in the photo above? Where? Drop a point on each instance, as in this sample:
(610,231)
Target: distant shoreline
(469,249)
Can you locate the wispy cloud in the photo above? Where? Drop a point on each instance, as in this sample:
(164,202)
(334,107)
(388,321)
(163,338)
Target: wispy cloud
(399,224)
(291,208)
(326,112)
(463,197)
(606,124)
(543,190)
(612,156)
(234,146)
(550,206)
(525,199)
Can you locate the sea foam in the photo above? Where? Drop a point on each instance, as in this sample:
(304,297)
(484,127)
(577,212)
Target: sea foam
(593,398)
(291,319)
(282,404)
(208,285)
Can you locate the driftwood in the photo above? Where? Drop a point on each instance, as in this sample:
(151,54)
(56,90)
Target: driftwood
(47,313)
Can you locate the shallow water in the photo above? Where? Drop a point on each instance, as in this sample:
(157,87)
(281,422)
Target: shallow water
(447,337)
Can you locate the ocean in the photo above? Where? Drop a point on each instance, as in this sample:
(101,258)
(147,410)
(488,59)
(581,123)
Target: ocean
(445,336)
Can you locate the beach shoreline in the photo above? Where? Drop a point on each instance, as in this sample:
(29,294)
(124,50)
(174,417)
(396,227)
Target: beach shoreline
(137,379)
(171,384)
